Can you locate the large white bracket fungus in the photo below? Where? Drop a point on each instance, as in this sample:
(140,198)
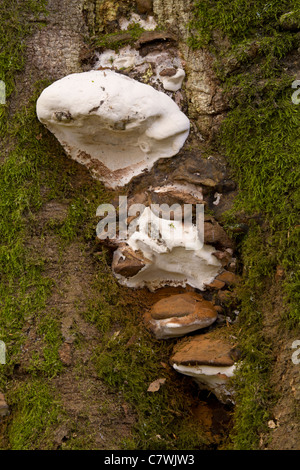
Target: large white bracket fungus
(113,124)
(172,253)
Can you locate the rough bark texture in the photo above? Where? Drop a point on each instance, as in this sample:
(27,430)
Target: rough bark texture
(206,104)
(58,49)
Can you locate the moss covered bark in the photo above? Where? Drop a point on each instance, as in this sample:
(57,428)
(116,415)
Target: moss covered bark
(255,54)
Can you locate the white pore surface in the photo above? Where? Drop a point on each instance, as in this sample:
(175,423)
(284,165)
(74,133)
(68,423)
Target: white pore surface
(213,378)
(177,256)
(109,118)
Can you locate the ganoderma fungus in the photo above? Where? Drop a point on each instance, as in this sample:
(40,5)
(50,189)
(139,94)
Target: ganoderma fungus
(180,314)
(210,361)
(113,124)
(174,254)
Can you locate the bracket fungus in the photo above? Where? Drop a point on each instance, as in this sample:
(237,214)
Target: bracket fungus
(210,361)
(180,314)
(171,252)
(173,82)
(113,124)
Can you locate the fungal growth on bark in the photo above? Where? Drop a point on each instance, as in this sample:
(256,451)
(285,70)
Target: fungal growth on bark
(113,124)
(178,315)
(210,361)
(171,253)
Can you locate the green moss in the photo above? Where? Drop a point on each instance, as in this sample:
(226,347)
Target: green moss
(31,160)
(261,139)
(290,20)
(37,411)
(129,359)
(46,362)
(254,395)
(117,40)
(34,171)
(237,19)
